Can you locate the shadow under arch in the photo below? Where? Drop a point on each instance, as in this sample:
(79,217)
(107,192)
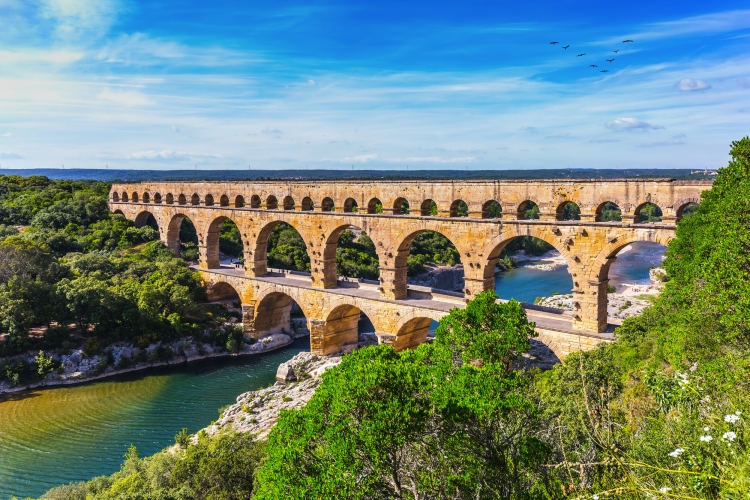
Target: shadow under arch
(374,206)
(209,200)
(401,206)
(239,201)
(350,205)
(224,201)
(212,240)
(327,205)
(169,199)
(255,201)
(119,212)
(307,204)
(272,203)
(221,290)
(288,203)
(273,314)
(134,197)
(116,197)
(173,232)
(146,218)
(341,328)
(428,208)
(411,333)
(124,196)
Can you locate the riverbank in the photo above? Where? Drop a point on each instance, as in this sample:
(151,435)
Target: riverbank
(77,368)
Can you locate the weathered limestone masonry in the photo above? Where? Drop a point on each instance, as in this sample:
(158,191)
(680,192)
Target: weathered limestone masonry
(321,211)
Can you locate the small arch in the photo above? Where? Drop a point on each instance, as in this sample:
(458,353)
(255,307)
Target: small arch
(157,198)
(648,213)
(146,219)
(115,197)
(255,201)
(134,198)
(169,199)
(224,201)
(686,208)
(209,200)
(412,333)
(195,199)
(608,212)
(327,205)
(428,208)
(307,203)
(146,198)
(350,205)
(239,202)
(528,210)
(459,208)
(222,291)
(492,210)
(272,203)
(568,210)
(182,199)
(124,196)
(273,314)
(288,203)
(401,206)
(375,206)
(341,328)
(119,212)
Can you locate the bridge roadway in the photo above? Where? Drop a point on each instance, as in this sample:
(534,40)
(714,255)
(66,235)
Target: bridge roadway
(333,313)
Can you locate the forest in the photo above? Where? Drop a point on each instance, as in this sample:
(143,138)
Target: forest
(660,413)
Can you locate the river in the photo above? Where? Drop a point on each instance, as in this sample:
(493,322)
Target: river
(55,436)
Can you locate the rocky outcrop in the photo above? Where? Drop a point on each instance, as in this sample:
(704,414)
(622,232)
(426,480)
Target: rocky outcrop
(258,411)
(619,306)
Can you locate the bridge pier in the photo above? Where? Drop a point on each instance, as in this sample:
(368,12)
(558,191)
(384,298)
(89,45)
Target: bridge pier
(393,283)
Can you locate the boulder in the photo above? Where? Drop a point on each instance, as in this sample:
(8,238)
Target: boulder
(285,373)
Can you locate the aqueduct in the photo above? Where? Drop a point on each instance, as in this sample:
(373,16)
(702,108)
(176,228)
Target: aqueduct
(321,211)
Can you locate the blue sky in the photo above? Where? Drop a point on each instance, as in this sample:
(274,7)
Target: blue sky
(377,85)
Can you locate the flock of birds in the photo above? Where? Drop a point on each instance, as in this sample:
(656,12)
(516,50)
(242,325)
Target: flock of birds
(594,65)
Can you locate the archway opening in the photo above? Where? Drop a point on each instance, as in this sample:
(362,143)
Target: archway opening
(341,329)
(307,204)
(225,305)
(209,201)
(277,312)
(687,211)
(428,208)
(169,199)
(134,197)
(288,203)
(374,206)
(255,201)
(157,198)
(327,205)
(648,213)
(146,198)
(272,203)
(412,333)
(568,210)
(239,202)
(115,197)
(350,205)
(528,210)
(124,196)
(431,260)
(608,212)
(224,201)
(182,200)
(284,247)
(195,199)
(188,240)
(401,206)
(224,242)
(146,219)
(492,210)
(459,208)
(355,254)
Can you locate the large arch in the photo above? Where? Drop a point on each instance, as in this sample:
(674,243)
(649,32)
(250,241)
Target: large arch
(640,213)
(330,270)
(256,257)
(146,218)
(341,329)
(211,240)
(221,290)
(272,314)
(681,205)
(411,333)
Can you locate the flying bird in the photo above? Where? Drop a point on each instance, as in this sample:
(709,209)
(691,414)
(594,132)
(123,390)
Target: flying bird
(616,51)
(593,66)
(604,71)
(553,43)
(566,46)
(610,60)
(581,55)
(627,41)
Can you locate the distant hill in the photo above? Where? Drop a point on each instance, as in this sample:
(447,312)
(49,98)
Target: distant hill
(230,175)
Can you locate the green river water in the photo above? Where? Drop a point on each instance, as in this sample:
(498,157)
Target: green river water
(55,436)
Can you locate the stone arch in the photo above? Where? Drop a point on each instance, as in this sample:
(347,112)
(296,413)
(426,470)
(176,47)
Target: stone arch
(682,204)
(224,201)
(410,333)
(124,196)
(600,209)
(288,203)
(426,207)
(146,197)
(457,208)
(489,207)
(307,204)
(119,212)
(157,197)
(169,199)
(212,241)
(327,205)
(221,290)
(256,253)
(182,199)
(400,206)
(145,218)
(255,201)
(272,203)
(209,200)
(272,312)
(115,197)
(195,199)
(341,328)
(329,254)
(524,205)
(603,260)
(173,232)
(134,197)
(372,206)
(350,205)
(239,201)
(637,212)
(560,210)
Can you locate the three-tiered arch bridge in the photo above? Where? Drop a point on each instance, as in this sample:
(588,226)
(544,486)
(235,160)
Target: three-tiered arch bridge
(393,214)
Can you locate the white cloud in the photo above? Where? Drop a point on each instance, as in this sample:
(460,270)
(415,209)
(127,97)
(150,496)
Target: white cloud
(360,158)
(658,144)
(679,136)
(720,22)
(7,134)
(688,84)
(126,98)
(311,82)
(75,19)
(164,155)
(269,130)
(631,124)
(34,55)
(9,156)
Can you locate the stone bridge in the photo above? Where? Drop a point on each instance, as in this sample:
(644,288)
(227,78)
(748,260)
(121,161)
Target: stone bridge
(321,211)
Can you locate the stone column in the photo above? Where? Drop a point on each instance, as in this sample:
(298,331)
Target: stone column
(590,306)
(548,216)
(330,337)
(475,210)
(323,272)
(393,282)
(510,212)
(588,217)
(209,256)
(248,321)
(476,285)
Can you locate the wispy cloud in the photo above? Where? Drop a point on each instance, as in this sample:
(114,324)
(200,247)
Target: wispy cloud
(631,124)
(9,156)
(125,98)
(658,144)
(75,19)
(688,84)
(603,141)
(719,22)
(164,155)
